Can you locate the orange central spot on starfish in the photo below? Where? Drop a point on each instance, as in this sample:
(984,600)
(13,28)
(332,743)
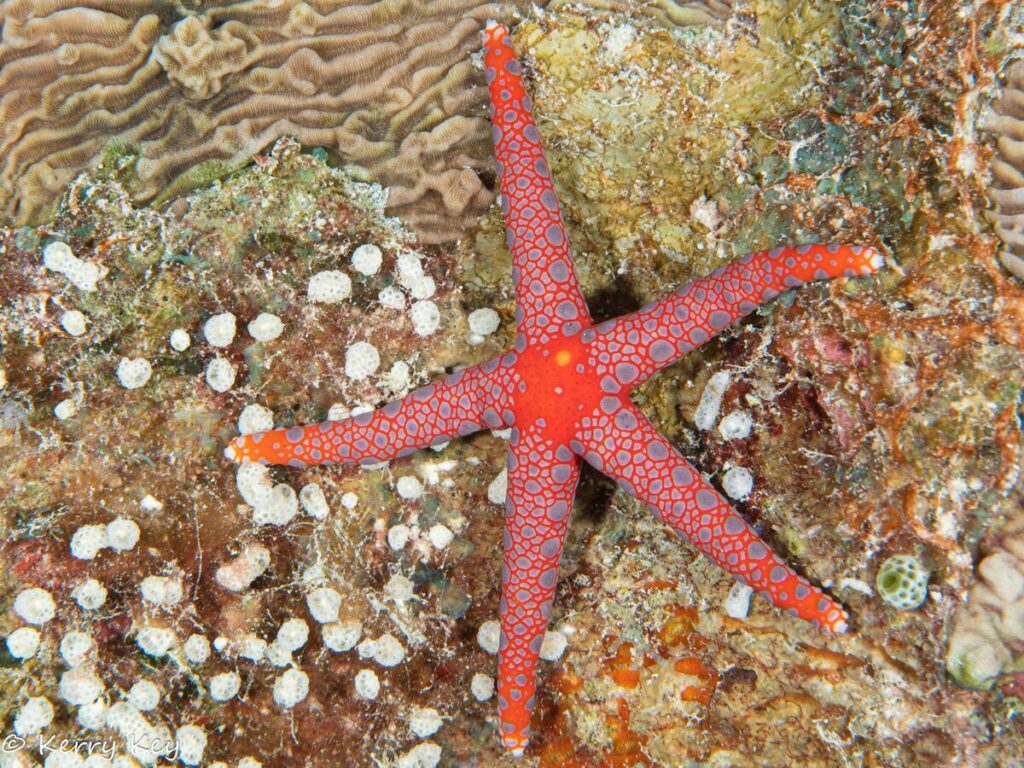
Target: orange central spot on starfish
(558,388)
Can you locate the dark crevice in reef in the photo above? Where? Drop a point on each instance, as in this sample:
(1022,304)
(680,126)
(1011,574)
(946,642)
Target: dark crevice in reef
(615,300)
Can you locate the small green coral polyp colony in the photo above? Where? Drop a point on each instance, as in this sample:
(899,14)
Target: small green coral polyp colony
(902,582)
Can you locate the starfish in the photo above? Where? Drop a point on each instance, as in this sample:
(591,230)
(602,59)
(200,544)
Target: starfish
(564,392)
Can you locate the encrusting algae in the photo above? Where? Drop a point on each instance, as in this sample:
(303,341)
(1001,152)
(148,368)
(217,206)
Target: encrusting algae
(344,616)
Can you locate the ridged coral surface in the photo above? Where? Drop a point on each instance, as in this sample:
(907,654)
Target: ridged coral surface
(388,85)
(1007,187)
(696,12)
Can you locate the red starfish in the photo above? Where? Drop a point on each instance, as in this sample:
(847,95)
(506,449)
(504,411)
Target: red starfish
(564,391)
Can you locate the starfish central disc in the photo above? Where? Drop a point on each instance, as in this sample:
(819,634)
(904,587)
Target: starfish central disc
(557,388)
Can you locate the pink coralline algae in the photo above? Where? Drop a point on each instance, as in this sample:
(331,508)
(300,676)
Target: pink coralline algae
(564,392)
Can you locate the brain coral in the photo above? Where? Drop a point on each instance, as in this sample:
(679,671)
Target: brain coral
(389,85)
(1007,188)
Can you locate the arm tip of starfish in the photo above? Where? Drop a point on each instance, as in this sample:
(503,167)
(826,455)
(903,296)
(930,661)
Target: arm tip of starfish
(493,24)
(515,744)
(875,259)
(838,623)
(232,452)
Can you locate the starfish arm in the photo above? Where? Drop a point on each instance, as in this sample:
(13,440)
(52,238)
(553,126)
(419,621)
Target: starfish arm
(459,404)
(542,480)
(644,342)
(549,301)
(625,446)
